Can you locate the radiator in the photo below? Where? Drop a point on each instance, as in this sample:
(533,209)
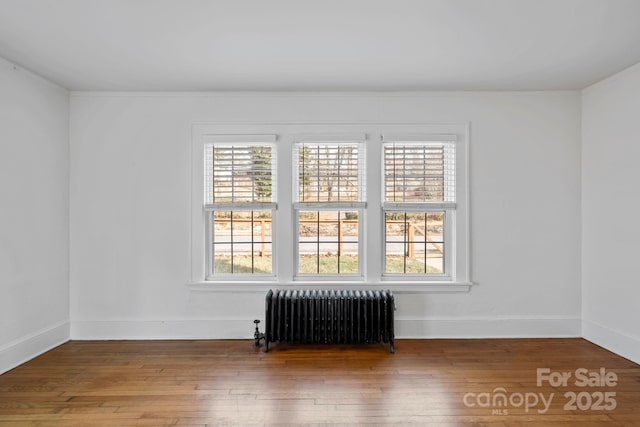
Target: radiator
(329,317)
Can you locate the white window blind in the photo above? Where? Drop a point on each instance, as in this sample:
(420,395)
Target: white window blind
(239,173)
(329,172)
(240,195)
(419,172)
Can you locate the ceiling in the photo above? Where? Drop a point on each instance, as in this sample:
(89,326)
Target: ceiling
(189,45)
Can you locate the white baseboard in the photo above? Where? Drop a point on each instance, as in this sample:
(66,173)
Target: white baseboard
(25,348)
(502,327)
(621,344)
(405,328)
(162,329)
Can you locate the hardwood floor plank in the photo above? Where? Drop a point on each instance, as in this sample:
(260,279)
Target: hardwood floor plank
(204,383)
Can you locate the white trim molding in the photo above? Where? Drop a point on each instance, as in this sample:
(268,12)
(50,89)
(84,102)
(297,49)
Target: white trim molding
(156,329)
(242,328)
(25,348)
(622,344)
(488,327)
(395,287)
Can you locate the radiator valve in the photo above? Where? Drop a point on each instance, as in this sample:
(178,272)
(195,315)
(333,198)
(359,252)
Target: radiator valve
(257,335)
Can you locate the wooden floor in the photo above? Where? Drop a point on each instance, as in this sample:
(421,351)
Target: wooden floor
(426,382)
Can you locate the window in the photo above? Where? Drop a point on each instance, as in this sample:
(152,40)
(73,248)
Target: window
(240,203)
(330,205)
(419,205)
(328,209)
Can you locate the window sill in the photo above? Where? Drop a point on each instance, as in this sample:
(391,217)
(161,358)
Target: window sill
(397,287)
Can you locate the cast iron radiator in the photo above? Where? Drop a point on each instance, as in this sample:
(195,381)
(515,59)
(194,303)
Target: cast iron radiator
(329,317)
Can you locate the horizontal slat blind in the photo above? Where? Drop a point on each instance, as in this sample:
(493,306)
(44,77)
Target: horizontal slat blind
(239,173)
(419,172)
(329,172)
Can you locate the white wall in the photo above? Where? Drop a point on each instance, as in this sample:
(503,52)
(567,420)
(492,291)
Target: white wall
(610,212)
(34,215)
(130,207)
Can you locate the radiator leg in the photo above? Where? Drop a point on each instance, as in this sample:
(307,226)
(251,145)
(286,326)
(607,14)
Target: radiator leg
(392,348)
(266,346)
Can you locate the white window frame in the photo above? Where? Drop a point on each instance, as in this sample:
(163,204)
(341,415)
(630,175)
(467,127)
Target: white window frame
(448,207)
(358,206)
(210,207)
(371,218)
